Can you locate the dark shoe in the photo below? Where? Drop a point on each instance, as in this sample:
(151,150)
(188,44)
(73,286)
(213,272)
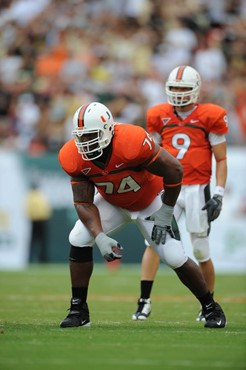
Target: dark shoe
(214,316)
(143,310)
(78,315)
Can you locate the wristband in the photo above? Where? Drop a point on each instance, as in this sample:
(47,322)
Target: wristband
(219,190)
(172,185)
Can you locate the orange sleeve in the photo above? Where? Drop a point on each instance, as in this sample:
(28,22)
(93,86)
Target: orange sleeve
(139,146)
(69,159)
(153,120)
(218,121)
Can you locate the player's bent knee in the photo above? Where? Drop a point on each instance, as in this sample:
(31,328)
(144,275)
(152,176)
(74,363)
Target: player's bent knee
(172,253)
(78,254)
(76,239)
(201,249)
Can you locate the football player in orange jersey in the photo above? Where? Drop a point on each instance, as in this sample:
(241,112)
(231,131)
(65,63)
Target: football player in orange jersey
(191,132)
(128,169)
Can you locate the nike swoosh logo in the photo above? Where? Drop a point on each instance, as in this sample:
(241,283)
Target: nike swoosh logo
(75,301)
(219,322)
(85,323)
(119,165)
(194,121)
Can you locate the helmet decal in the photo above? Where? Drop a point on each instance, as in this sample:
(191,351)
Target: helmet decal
(81,115)
(180,73)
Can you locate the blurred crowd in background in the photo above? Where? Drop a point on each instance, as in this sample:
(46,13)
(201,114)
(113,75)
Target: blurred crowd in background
(56,55)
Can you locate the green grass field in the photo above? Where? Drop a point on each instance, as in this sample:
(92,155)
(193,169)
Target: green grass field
(34,301)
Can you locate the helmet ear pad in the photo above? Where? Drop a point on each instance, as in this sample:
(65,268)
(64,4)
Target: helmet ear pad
(183,77)
(94,118)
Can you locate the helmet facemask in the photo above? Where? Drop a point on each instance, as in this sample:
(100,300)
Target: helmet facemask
(182,98)
(93,130)
(183,77)
(93,148)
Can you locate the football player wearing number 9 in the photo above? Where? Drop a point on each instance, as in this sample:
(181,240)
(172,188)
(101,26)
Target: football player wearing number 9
(128,169)
(191,132)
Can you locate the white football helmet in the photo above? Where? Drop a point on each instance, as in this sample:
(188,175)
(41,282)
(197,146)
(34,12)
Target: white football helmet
(183,76)
(96,119)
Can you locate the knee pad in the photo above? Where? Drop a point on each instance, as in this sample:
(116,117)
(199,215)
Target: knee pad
(200,248)
(80,238)
(172,253)
(78,254)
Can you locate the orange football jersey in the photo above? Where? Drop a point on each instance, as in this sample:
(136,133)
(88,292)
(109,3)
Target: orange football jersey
(122,181)
(187,139)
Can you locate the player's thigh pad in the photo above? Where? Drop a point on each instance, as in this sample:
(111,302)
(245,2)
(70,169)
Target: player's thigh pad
(172,252)
(195,219)
(112,218)
(200,247)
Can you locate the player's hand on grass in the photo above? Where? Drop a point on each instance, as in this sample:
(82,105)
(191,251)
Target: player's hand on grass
(110,249)
(213,207)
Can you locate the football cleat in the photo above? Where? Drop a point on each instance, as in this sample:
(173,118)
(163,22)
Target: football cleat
(200,316)
(143,310)
(78,315)
(214,316)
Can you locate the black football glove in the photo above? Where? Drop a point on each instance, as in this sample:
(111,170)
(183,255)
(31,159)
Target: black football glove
(213,207)
(159,234)
(162,224)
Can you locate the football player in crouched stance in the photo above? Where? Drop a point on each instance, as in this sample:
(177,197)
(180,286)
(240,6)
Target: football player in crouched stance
(191,132)
(128,169)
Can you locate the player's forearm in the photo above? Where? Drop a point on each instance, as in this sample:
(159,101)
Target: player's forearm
(173,181)
(171,194)
(171,170)
(89,215)
(219,152)
(221,173)
(168,167)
